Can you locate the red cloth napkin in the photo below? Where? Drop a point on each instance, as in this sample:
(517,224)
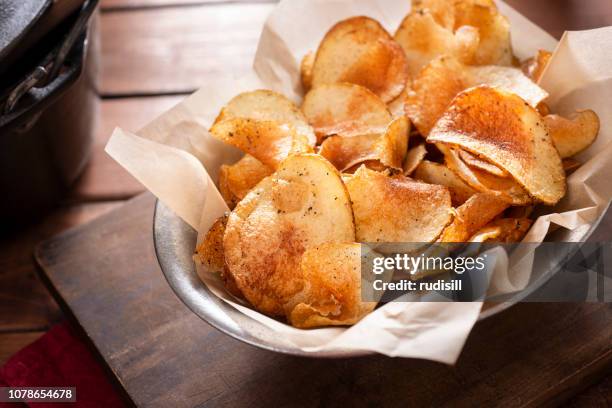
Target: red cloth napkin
(60,358)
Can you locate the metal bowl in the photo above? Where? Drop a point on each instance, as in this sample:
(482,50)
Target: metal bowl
(174,243)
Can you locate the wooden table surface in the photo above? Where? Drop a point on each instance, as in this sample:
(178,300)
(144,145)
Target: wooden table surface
(154,52)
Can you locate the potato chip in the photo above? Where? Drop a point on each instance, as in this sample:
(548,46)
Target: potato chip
(306,71)
(414,157)
(393,145)
(435,173)
(512,229)
(480,164)
(237,180)
(388,148)
(267,105)
(423,39)
(506,188)
(396,106)
(494,47)
(543,108)
(210,251)
(471,216)
(345,110)
(486,234)
(442,11)
(302,205)
(268,141)
(505,230)
(467,40)
(397,209)
(534,67)
(373,165)
(572,136)
(346,152)
(503,129)
(445,77)
(332,296)
(359,51)
(509,79)
(432,91)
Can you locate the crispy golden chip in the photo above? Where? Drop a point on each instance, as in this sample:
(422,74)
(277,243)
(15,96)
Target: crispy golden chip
(423,39)
(332,295)
(435,173)
(373,165)
(494,47)
(210,251)
(475,162)
(573,135)
(268,141)
(506,188)
(359,51)
(394,143)
(487,38)
(302,205)
(512,229)
(346,152)
(471,216)
(505,130)
(436,86)
(543,108)
(306,70)
(442,11)
(397,209)
(267,105)
(396,106)
(223,183)
(534,67)
(388,148)
(486,234)
(345,109)
(506,230)
(445,77)
(467,40)
(509,79)
(236,180)
(414,157)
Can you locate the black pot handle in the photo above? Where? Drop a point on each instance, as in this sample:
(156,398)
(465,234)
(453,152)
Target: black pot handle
(43,74)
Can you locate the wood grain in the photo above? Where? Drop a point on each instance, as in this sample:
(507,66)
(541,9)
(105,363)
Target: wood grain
(177,49)
(10,343)
(599,395)
(25,304)
(104,179)
(165,356)
(114,5)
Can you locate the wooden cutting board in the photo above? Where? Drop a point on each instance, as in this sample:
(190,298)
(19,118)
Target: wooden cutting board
(106,275)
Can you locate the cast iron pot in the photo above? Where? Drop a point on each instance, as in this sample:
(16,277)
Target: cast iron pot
(46,123)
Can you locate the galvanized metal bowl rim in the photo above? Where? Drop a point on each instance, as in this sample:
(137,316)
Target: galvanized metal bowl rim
(171,235)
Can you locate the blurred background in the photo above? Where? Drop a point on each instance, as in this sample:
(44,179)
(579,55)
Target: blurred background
(128,61)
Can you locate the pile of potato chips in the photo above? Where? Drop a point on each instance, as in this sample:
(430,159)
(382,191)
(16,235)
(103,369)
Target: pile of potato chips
(434,134)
